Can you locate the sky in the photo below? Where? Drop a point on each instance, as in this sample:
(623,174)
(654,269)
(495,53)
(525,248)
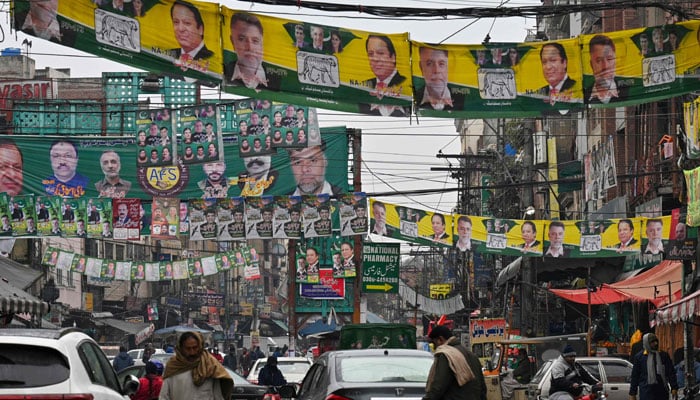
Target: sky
(397,152)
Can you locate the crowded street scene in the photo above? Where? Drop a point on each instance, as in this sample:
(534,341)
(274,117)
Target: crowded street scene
(325,200)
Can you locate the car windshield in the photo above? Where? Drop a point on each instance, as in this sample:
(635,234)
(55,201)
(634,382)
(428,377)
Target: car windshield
(294,367)
(31,366)
(384,369)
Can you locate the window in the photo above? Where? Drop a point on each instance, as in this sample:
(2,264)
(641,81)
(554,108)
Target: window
(98,367)
(311,380)
(384,369)
(593,368)
(31,366)
(617,372)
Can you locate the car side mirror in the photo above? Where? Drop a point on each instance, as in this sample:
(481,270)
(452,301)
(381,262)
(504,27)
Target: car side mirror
(131,385)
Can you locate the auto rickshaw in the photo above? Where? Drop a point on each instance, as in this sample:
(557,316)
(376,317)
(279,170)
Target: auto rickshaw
(539,349)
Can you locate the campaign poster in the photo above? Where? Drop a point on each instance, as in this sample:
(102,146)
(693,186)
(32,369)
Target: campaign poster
(155,138)
(203,225)
(201,140)
(353,213)
(126,219)
(287,217)
(23,215)
(99,217)
(258,217)
(316,216)
(48,215)
(165,217)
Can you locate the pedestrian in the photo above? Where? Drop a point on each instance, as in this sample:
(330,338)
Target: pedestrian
(568,376)
(259,353)
(122,360)
(194,374)
(456,372)
(230,359)
(217,355)
(245,362)
(148,351)
(678,359)
(270,375)
(151,383)
(652,372)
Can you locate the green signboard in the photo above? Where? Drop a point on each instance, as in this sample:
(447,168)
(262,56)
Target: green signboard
(380,267)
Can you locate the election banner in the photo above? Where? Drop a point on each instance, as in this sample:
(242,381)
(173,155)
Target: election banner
(636,66)
(71,168)
(179,38)
(497,79)
(319,64)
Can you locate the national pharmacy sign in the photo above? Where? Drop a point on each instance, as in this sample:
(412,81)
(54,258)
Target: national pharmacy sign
(380,267)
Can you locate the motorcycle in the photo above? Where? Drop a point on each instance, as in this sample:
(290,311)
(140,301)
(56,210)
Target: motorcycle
(272,393)
(590,392)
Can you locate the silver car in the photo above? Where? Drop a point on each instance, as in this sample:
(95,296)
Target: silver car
(365,374)
(615,373)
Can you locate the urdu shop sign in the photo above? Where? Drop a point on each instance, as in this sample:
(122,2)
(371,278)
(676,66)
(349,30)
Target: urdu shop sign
(380,267)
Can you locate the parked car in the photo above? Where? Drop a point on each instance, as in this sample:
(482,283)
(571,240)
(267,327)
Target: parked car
(65,362)
(364,374)
(293,368)
(615,373)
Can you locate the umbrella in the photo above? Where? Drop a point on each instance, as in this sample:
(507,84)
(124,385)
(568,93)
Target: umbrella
(180,328)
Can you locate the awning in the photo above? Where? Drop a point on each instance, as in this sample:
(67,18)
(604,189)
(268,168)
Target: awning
(682,309)
(509,272)
(128,327)
(16,301)
(651,285)
(180,328)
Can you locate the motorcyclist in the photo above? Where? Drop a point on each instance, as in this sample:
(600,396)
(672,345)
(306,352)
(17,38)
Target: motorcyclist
(270,375)
(568,376)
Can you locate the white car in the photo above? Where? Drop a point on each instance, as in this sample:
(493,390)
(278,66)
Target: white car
(137,355)
(615,374)
(35,363)
(293,368)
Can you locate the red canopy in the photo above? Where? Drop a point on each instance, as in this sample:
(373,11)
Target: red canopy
(652,285)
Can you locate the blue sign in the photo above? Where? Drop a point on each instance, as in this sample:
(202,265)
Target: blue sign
(318,291)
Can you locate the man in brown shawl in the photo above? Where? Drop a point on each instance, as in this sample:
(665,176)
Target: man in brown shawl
(194,374)
(456,372)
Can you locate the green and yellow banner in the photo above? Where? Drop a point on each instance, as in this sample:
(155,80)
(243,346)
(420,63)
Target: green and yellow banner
(94,167)
(372,72)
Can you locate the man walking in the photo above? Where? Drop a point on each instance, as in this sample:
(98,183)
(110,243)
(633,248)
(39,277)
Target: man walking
(193,373)
(456,372)
(122,360)
(652,372)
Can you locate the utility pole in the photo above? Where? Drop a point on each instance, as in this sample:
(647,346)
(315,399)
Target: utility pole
(527,264)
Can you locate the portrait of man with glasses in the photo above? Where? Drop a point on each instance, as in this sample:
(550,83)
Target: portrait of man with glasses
(65,181)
